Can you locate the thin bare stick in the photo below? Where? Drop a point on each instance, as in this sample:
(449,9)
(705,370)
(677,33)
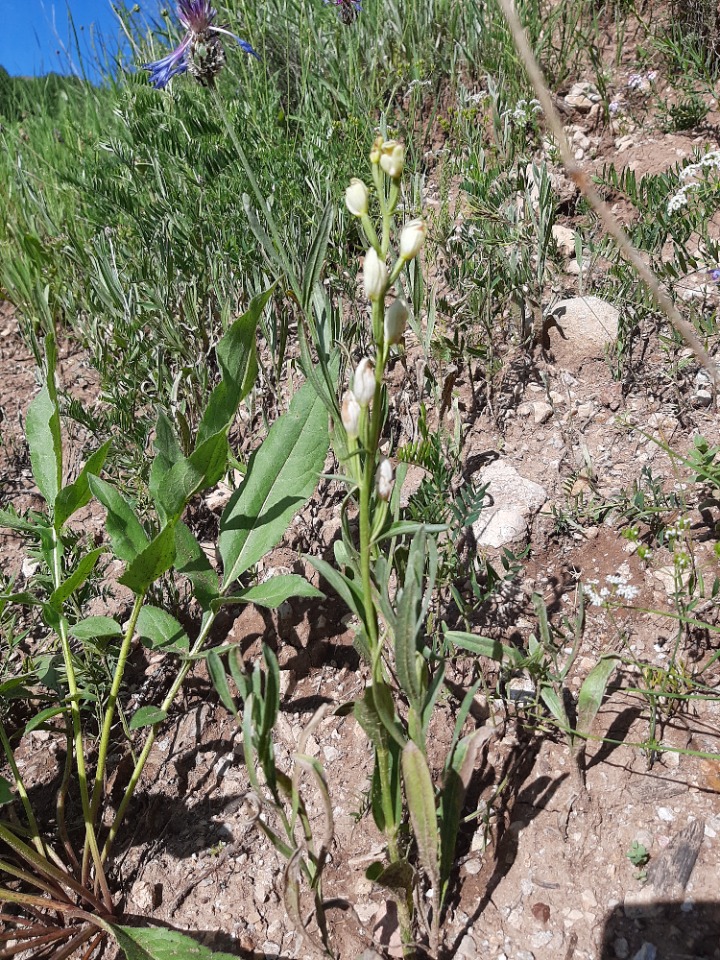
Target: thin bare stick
(609,221)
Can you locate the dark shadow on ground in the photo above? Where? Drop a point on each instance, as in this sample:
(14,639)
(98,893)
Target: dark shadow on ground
(663,931)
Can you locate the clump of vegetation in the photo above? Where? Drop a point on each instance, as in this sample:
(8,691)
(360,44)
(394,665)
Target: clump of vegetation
(183,224)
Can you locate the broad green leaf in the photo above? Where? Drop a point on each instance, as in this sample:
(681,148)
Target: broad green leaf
(158,943)
(127,536)
(397,876)
(155,559)
(77,578)
(161,630)
(282,475)
(202,469)
(39,719)
(237,359)
(92,627)
(146,717)
(6,792)
(483,646)
(191,562)
(592,692)
(421,807)
(42,426)
(275,591)
(77,494)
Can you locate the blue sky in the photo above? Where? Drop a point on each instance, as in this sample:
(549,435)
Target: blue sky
(35,36)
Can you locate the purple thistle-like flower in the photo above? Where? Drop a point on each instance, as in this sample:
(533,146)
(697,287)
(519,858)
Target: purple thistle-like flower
(347,9)
(200,51)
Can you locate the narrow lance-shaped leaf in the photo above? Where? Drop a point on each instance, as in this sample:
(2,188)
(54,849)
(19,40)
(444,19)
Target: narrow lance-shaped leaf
(237,359)
(407,623)
(155,559)
(77,578)
(421,806)
(191,562)
(591,695)
(316,256)
(202,469)
(281,476)
(127,536)
(42,426)
(77,494)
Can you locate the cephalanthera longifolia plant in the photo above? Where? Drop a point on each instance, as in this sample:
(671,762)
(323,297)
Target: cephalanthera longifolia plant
(389,585)
(56,881)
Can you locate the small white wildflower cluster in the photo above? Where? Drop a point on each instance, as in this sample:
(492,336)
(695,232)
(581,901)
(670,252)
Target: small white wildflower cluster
(692,177)
(642,82)
(619,587)
(523,111)
(677,532)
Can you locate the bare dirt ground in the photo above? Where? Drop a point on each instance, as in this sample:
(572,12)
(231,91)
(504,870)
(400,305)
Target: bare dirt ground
(542,870)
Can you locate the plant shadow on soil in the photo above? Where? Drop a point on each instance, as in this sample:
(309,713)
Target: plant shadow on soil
(678,931)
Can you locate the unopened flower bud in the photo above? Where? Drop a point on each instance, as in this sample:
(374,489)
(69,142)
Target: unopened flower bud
(350,413)
(364,382)
(384,479)
(412,238)
(392,158)
(376,150)
(395,321)
(375,275)
(356,198)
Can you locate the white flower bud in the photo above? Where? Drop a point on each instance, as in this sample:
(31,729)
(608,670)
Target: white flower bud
(412,238)
(395,321)
(350,413)
(356,198)
(376,148)
(375,275)
(364,382)
(392,158)
(384,479)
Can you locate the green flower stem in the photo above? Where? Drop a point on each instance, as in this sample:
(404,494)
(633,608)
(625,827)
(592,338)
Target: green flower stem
(112,702)
(74,698)
(145,753)
(62,796)
(370,234)
(388,214)
(22,792)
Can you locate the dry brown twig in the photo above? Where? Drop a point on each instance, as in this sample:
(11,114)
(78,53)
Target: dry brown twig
(609,221)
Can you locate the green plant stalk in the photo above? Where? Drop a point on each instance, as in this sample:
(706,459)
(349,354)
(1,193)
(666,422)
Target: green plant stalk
(62,796)
(145,753)
(22,792)
(109,718)
(77,733)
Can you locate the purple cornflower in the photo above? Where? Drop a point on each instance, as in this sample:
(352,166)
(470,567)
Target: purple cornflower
(715,275)
(200,51)
(347,9)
